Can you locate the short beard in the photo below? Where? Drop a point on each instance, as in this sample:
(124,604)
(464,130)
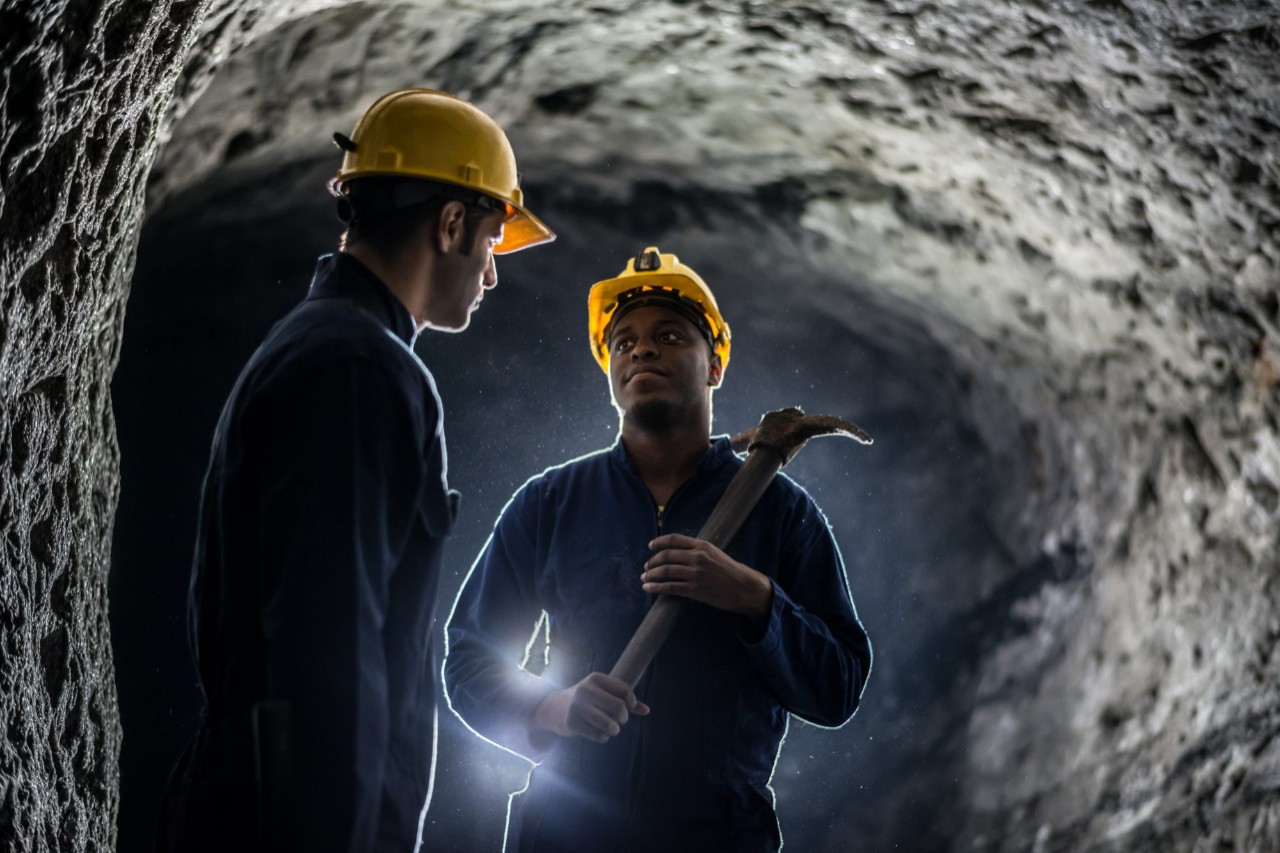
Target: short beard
(659,415)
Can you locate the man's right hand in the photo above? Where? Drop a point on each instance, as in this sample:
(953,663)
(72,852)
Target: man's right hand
(596,708)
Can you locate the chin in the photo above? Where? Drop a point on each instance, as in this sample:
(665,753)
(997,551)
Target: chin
(655,414)
(451,325)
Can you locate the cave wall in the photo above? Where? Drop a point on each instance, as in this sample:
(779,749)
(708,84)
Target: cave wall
(83,90)
(1078,201)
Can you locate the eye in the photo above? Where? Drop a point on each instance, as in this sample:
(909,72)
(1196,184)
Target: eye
(670,336)
(621,345)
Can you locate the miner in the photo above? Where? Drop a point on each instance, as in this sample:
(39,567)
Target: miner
(683,760)
(326,503)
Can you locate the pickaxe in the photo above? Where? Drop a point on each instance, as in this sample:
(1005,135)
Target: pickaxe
(773,443)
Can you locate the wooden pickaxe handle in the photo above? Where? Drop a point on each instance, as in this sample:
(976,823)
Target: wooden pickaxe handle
(777,439)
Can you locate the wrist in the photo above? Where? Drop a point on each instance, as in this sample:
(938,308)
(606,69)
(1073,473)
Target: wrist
(542,734)
(760,605)
(543,715)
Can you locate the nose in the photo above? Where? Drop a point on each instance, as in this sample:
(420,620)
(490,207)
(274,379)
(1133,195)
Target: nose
(490,280)
(643,348)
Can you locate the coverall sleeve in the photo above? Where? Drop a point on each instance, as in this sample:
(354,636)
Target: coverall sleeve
(342,478)
(489,630)
(814,653)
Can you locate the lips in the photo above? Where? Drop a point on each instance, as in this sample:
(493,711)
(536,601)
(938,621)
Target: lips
(646,370)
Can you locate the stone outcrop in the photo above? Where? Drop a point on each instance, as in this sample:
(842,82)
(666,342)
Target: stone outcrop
(85,87)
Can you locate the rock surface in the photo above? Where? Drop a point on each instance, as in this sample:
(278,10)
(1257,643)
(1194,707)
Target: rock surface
(83,91)
(1058,221)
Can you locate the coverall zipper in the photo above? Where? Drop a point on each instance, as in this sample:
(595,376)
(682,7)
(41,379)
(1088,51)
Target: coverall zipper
(639,758)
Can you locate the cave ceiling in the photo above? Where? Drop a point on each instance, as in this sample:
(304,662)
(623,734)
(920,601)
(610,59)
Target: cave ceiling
(1089,191)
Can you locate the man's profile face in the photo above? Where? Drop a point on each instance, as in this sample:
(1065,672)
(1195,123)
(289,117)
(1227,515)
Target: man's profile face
(660,366)
(461,279)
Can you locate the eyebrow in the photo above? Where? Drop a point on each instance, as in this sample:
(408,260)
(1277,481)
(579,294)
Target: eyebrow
(661,324)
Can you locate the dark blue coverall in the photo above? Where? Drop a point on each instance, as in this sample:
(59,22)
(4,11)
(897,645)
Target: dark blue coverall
(693,775)
(317,560)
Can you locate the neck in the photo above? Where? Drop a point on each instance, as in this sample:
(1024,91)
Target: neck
(406,275)
(664,459)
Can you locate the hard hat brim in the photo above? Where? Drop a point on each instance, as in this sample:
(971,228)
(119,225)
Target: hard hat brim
(521,231)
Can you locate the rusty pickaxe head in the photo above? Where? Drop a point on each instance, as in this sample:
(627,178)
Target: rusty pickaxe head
(784,431)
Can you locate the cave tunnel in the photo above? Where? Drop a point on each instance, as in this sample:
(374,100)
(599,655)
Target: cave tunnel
(1031,248)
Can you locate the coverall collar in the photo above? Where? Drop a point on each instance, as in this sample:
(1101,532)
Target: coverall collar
(717,454)
(341,276)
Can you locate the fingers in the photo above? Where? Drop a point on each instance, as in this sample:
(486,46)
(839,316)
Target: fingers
(669,579)
(698,570)
(673,569)
(615,687)
(679,563)
(677,550)
(601,706)
(677,540)
(593,722)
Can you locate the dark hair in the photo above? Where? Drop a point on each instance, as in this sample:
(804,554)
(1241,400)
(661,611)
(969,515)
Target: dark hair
(377,216)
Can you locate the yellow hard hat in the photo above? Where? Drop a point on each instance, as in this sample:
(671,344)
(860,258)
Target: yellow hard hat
(423,133)
(652,277)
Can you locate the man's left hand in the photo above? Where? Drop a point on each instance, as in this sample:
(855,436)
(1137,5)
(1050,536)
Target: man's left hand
(696,569)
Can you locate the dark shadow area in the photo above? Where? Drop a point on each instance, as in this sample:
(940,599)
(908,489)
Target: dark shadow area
(220,264)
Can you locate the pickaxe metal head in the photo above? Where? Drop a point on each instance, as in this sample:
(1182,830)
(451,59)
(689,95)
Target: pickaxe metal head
(785,431)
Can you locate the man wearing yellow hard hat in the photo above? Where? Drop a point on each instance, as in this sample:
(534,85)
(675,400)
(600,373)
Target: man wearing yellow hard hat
(326,505)
(683,760)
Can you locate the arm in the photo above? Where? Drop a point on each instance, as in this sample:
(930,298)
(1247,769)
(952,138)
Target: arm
(342,476)
(799,629)
(488,631)
(488,635)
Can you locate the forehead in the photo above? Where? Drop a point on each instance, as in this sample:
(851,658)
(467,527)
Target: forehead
(650,317)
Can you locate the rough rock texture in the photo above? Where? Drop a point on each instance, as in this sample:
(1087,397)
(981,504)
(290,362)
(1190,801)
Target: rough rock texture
(1079,202)
(83,89)
(1074,204)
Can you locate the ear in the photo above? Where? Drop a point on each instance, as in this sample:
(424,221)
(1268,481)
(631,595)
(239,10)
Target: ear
(450,227)
(715,371)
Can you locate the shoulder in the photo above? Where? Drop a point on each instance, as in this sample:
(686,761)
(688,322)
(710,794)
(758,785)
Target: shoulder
(570,479)
(346,381)
(783,492)
(325,343)
(791,491)
(797,508)
(580,468)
